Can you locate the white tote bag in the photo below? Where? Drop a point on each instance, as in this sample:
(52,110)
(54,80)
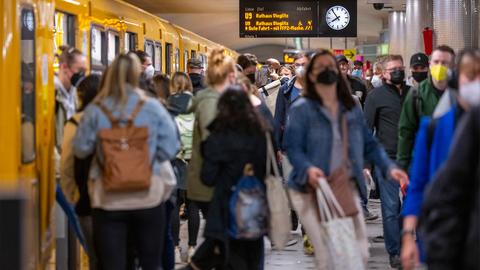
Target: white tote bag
(279,221)
(340,238)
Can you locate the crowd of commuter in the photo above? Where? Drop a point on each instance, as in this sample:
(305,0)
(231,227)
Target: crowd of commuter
(139,153)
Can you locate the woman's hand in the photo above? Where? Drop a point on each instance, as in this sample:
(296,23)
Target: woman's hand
(400,176)
(409,255)
(314,175)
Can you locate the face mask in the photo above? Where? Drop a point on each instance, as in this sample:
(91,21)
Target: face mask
(149,71)
(397,76)
(376,81)
(419,76)
(251,77)
(327,77)
(470,93)
(76,78)
(300,71)
(357,73)
(439,72)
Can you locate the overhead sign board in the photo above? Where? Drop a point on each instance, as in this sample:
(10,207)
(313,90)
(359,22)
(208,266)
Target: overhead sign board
(305,18)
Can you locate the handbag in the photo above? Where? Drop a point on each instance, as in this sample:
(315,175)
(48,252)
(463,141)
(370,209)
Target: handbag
(340,238)
(339,179)
(278,205)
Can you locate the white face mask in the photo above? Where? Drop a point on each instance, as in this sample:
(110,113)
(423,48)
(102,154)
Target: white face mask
(376,81)
(470,93)
(149,71)
(300,71)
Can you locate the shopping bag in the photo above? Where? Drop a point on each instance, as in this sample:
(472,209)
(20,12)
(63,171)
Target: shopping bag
(340,239)
(279,220)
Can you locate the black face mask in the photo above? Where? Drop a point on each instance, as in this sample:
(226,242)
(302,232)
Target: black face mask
(397,76)
(76,78)
(419,76)
(327,77)
(251,77)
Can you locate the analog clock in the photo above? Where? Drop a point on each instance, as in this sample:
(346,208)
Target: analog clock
(28,20)
(337,17)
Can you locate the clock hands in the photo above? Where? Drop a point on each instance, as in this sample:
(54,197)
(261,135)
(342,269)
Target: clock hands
(337,17)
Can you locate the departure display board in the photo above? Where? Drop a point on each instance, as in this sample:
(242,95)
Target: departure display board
(302,18)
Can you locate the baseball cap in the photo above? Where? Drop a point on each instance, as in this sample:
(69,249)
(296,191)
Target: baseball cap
(194,63)
(419,59)
(341,58)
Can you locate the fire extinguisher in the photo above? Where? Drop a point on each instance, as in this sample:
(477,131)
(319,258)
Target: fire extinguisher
(428,40)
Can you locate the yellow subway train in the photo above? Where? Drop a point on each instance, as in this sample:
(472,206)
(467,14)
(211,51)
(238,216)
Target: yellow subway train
(31,31)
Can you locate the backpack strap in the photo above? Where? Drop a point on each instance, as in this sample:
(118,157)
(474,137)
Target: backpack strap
(109,114)
(416,102)
(344,127)
(73,121)
(135,112)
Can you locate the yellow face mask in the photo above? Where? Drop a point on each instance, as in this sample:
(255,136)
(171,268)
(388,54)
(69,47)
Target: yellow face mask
(439,72)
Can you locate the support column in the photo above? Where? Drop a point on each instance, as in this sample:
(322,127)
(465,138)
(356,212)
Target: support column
(455,23)
(397,30)
(418,16)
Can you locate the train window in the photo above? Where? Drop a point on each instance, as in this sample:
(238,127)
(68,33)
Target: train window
(64,29)
(158,57)
(168,56)
(130,41)
(204,60)
(193,54)
(98,48)
(185,59)
(177,59)
(113,46)
(150,49)
(27,50)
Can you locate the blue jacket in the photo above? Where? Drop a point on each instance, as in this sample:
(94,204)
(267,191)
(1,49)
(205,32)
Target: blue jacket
(426,161)
(163,140)
(308,140)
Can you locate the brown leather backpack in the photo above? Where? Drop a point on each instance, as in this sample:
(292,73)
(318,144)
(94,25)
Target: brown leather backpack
(127,162)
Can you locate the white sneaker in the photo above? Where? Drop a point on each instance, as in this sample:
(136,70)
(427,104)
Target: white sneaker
(178,255)
(191,251)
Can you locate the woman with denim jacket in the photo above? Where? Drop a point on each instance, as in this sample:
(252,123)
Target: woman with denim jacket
(313,142)
(138,216)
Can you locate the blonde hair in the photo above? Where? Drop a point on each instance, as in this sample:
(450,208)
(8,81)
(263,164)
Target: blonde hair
(219,66)
(180,82)
(123,72)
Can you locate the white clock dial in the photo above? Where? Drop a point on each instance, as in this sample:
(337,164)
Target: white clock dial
(337,17)
(28,20)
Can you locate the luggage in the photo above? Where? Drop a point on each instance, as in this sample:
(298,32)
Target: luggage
(127,165)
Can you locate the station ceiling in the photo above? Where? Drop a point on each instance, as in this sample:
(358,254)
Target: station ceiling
(218,21)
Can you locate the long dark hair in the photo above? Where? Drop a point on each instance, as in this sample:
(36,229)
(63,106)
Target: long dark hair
(88,89)
(236,112)
(344,93)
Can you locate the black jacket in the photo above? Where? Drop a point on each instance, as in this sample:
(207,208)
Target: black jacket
(357,85)
(282,105)
(450,221)
(383,107)
(198,82)
(179,103)
(225,155)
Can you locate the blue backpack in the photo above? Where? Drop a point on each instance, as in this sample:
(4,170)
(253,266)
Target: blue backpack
(248,208)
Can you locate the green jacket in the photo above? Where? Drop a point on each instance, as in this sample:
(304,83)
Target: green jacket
(410,119)
(205,108)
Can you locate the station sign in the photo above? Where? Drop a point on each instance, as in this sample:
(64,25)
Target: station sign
(304,18)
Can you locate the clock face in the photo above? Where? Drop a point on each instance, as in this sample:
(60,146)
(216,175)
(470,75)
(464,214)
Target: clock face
(28,20)
(337,17)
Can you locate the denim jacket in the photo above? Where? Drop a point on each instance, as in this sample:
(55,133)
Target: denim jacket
(163,140)
(308,140)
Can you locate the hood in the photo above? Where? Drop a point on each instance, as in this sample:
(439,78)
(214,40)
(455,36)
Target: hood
(180,103)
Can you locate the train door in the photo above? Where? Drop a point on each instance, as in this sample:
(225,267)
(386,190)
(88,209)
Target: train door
(157,61)
(113,45)
(177,59)
(27,131)
(168,58)
(185,59)
(98,49)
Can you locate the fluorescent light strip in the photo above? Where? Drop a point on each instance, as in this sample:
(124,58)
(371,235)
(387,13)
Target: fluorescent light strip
(72,2)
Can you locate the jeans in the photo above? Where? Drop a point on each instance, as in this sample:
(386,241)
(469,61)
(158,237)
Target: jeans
(145,228)
(390,202)
(169,248)
(192,216)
